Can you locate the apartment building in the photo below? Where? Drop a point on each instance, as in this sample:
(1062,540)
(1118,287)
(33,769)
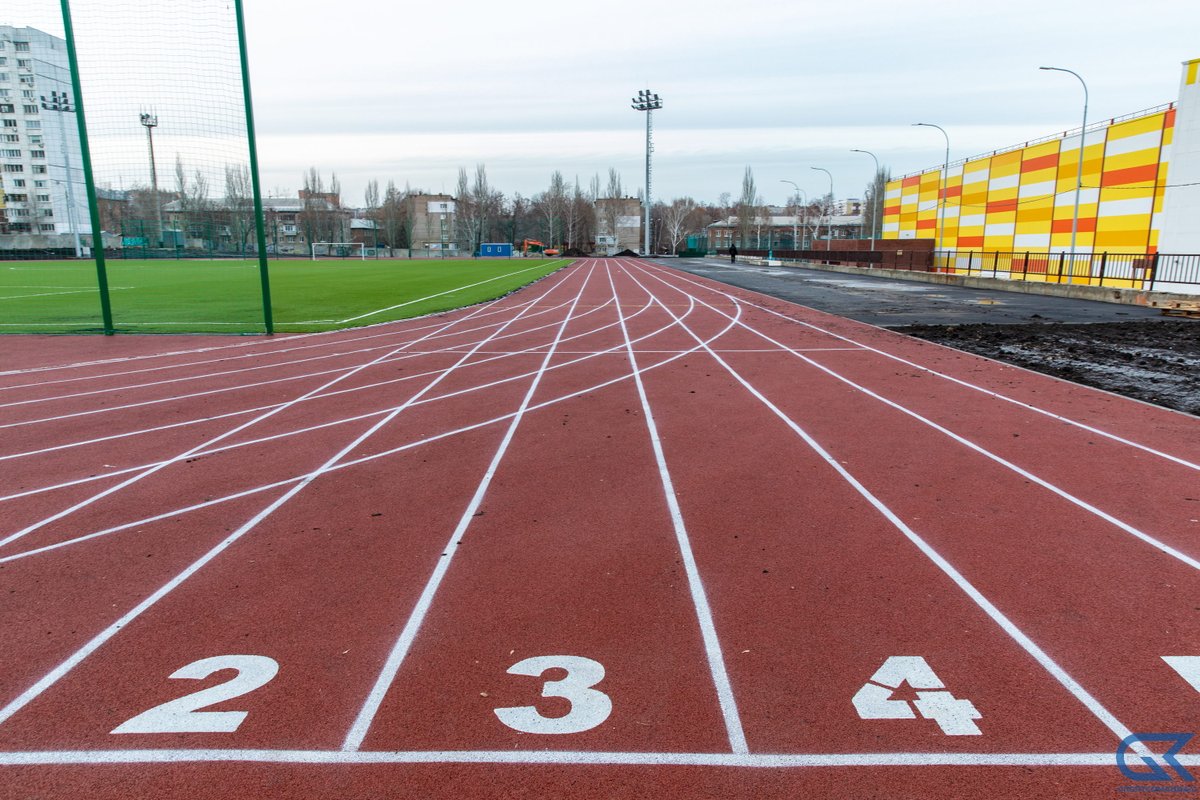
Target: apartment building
(41,178)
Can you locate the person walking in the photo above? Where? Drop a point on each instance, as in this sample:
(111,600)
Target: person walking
(733,254)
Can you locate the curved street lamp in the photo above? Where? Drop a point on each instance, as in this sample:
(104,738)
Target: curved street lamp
(829,225)
(795,221)
(1078,172)
(945,181)
(875,218)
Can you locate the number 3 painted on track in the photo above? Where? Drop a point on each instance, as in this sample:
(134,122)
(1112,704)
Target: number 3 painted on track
(183,715)
(589,707)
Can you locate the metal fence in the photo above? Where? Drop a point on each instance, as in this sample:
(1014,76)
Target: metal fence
(1144,271)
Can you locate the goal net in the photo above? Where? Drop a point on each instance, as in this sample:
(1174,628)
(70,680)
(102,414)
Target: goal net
(338,250)
(169,143)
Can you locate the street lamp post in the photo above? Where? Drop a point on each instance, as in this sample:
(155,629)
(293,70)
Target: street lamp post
(829,224)
(945,181)
(796,220)
(61,103)
(875,216)
(647,101)
(1079,171)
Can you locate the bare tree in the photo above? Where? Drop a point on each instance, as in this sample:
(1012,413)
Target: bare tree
(873,203)
(747,209)
(675,219)
(239,204)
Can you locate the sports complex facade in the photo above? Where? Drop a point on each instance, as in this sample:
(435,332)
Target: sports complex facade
(1140,194)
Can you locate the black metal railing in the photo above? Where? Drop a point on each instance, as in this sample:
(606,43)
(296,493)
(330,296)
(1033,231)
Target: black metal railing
(1146,271)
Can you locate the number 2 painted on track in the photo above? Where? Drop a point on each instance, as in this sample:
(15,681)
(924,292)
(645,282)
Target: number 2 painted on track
(589,707)
(183,715)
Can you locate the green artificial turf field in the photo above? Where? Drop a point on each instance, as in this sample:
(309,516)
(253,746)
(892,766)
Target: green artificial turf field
(160,296)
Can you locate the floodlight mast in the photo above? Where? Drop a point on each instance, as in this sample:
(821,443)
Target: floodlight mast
(150,122)
(647,101)
(61,102)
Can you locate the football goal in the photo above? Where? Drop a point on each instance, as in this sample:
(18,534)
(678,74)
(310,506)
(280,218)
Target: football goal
(339,250)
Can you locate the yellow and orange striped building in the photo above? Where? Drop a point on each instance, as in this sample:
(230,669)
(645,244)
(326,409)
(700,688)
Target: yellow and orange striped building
(1022,198)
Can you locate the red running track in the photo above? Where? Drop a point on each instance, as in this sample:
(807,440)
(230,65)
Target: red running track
(625,533)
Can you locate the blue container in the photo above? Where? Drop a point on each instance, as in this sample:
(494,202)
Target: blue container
(496,250)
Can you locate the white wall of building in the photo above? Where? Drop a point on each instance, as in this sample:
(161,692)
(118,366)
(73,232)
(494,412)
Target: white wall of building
(1181,203)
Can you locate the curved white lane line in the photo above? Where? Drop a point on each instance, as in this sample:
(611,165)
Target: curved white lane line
(399,651)
(966,384)
(209,442)
(355,462)
(340,421)
(1098,710)
(1078,502)
(337,336)
(704,618)
(336,392)
(56,674)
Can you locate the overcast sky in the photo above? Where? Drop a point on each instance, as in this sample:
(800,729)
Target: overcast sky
(412,91)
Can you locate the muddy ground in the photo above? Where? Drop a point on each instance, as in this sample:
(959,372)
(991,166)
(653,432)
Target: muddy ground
(1157,361)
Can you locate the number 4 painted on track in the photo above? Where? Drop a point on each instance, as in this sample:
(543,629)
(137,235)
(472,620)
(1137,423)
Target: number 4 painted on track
(1188,668)
(953,716)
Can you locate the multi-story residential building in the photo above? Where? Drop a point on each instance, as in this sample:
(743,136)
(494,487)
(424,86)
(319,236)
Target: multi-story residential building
(432,218)
(619,225)
(41,174)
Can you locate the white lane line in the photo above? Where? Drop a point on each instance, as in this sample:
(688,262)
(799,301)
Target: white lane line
(362,460)
(966,384)
(226,359)
(108,390)
(366,714)
(56,674)
(479,387)
(708,629)
(440,294)
(209,442)
(568,757)
(1049,664)
(239,387)
(394,327)
(1024,473)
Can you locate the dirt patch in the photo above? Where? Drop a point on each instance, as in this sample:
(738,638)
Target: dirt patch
(1157,361)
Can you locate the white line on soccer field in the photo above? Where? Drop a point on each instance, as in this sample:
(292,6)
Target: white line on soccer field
(1106,717)
(1024,473)
(362,460)
(567,757)
(966,384)
(96,642)
(45,294)
(337,337)
(708,629)
(439,294)
(366,715)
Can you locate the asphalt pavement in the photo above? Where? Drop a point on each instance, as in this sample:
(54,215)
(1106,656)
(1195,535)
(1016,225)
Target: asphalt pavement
(888,302)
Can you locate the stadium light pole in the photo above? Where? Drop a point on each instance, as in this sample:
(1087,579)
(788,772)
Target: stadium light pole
(1079,171)
(829,238)
(61,103)
(875,216)
(150,122)
(796,219)
(649,102)
(945,181)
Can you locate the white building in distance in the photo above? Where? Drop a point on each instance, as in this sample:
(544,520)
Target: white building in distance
(41,165)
